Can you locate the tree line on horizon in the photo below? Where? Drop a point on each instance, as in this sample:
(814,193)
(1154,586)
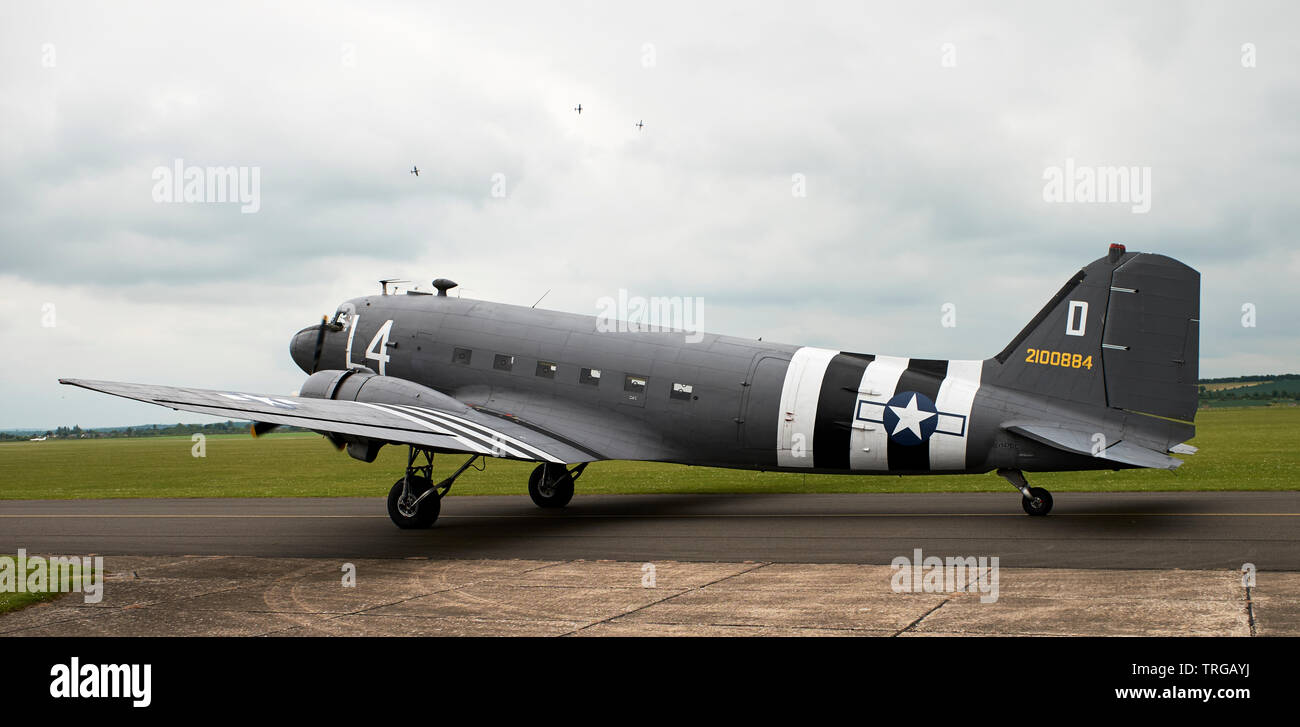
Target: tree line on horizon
(147,430)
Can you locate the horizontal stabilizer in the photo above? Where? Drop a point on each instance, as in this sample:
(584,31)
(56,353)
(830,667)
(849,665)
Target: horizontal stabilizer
(1079,442)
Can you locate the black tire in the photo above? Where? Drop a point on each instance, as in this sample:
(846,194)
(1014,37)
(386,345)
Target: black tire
(556,490)
(425,513)
(1040,502)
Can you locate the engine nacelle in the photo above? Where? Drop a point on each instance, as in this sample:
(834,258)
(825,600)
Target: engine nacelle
(363,385)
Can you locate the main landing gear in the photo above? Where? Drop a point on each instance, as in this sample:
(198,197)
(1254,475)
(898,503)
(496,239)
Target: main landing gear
(1035,500)
(414,501)
(551,485)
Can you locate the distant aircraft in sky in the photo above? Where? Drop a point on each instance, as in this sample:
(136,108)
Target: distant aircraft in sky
(578,108)
(640,124)
(415,171)
(1103,378)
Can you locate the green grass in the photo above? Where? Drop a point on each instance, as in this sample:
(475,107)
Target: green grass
(1241,449)
(16,601)
(11,601)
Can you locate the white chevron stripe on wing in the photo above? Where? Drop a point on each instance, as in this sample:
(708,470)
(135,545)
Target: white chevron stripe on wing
(468,444)
(504,440)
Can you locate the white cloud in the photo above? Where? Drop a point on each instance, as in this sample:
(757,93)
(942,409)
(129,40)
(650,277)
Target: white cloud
(924,182)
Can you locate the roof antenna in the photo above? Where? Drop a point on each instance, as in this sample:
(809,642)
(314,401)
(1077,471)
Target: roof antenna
(389,281)
(539,300)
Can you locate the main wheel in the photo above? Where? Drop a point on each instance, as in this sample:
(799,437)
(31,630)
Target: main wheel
(550,485)
(1039,503)
(406,514)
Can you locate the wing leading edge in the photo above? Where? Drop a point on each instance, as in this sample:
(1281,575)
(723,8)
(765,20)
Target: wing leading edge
(465,430)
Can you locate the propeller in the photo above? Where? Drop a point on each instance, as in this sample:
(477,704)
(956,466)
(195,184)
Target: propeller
(260,428)
(320,343)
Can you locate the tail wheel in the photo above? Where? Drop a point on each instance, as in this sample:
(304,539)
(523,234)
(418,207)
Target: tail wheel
(1039,501)
(550,485)
(405,511)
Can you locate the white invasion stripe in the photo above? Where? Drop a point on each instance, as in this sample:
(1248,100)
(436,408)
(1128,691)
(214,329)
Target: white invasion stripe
(956,397)
(467,444)
(451,418)
(509,444)
(798,413)
(495,441)
(869,442)
(488,431)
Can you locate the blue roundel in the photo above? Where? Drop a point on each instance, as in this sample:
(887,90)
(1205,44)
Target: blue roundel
(910,418)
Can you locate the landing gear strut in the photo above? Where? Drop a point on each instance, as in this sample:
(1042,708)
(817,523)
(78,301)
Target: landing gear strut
(1035,500)
(414,501)
(551,485)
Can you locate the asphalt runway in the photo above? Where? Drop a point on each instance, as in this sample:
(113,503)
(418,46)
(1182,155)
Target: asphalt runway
(1192,531)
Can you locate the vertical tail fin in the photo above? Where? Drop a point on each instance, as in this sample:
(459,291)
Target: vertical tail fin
(1123,333)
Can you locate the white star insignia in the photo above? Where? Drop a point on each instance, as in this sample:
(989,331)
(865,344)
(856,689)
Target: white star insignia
(910,417)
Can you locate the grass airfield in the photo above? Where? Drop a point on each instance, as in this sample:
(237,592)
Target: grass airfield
(1244,448)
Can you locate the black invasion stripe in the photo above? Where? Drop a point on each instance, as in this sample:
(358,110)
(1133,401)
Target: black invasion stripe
(835,403)
(924,377)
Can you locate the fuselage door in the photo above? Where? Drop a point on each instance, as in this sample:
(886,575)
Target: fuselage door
(760,401)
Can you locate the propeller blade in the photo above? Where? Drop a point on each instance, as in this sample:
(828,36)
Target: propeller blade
(260,428)
(320,343)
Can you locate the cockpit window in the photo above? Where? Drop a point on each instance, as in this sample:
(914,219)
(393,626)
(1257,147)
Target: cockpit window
(341,317)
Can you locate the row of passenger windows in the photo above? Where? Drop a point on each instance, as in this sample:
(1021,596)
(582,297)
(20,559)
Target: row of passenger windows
(632,383)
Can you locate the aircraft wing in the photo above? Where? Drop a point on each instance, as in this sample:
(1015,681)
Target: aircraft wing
(448,426)
(1071,440)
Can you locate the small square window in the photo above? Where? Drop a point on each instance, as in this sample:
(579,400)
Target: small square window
(461,356)
(546,369)
(589,376)
(502,362)
(634,384)
(682,391)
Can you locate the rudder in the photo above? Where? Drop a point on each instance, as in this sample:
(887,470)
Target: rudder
(1151,341)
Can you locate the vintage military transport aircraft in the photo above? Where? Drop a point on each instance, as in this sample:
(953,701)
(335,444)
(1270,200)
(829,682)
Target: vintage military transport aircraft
(1104,377)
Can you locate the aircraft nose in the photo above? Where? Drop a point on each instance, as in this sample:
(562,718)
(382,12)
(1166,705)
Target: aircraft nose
(303,347)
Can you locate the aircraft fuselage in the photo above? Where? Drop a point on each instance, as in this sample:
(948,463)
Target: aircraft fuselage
(706,399)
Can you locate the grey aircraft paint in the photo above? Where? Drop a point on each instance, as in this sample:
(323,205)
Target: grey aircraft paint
(1102,378)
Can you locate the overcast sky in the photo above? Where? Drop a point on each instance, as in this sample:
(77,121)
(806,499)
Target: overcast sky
(922,133)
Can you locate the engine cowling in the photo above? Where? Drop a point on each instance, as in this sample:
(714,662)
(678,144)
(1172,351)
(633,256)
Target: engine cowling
(366,386)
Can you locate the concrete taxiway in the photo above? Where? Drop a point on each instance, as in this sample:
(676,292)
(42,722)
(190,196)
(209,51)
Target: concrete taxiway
(1125,563)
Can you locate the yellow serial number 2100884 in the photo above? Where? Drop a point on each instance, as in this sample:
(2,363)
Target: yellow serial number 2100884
(1059,358)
